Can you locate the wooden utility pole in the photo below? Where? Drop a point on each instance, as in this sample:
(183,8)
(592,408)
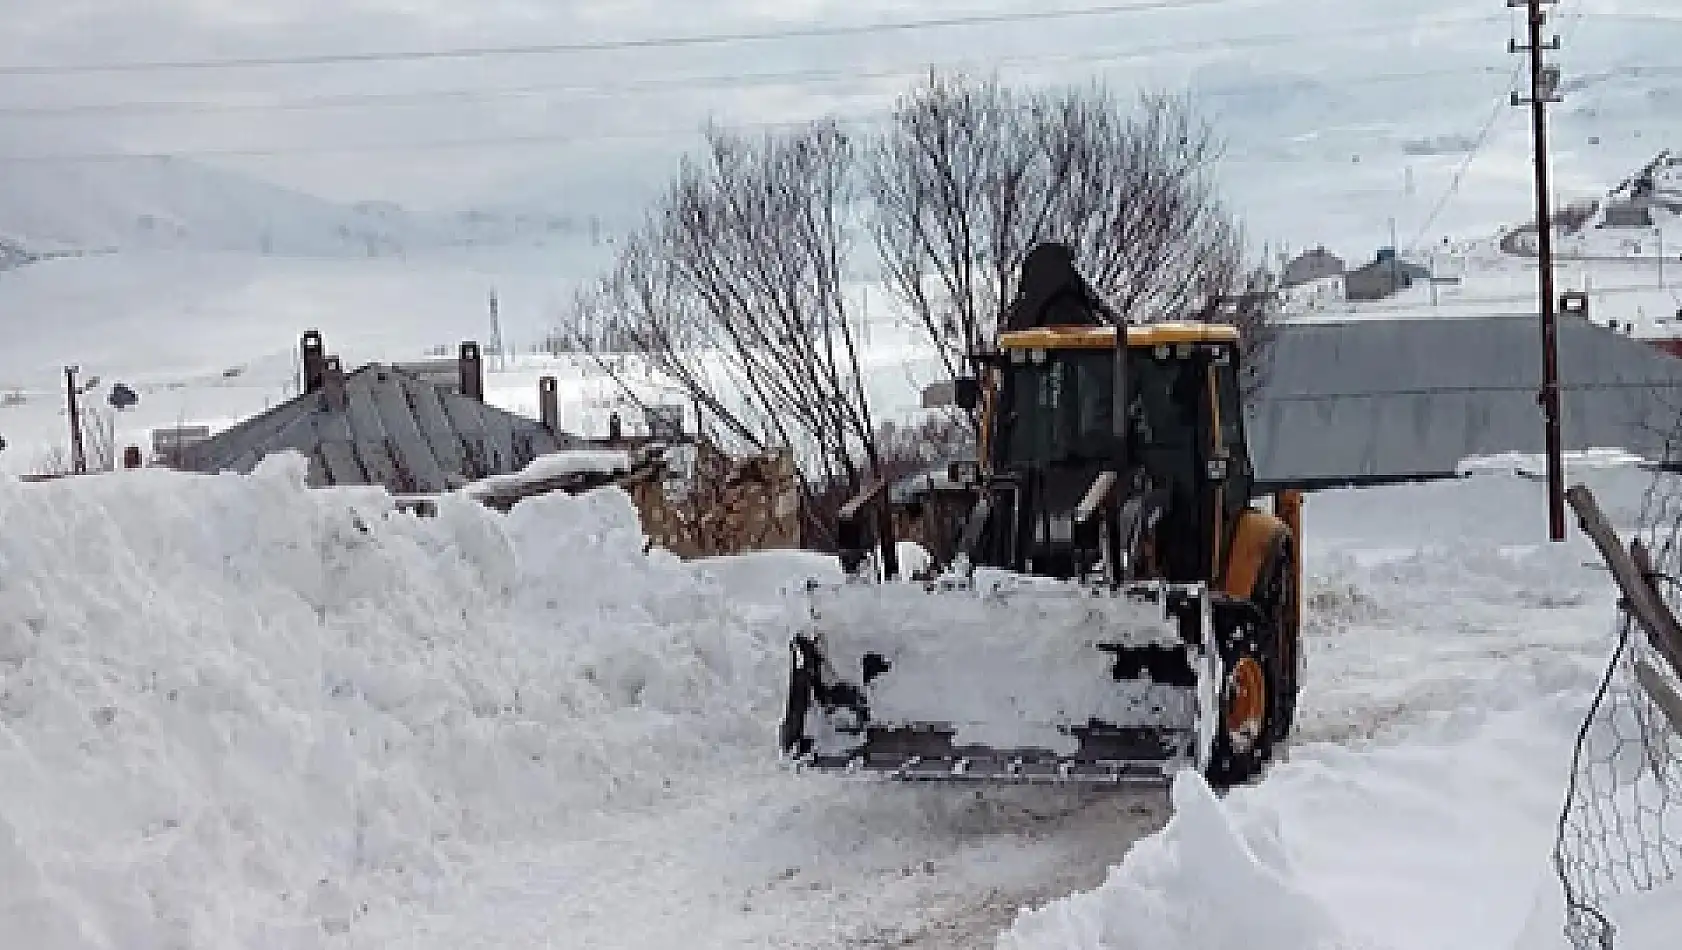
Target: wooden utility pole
(78,455)
(1544,88)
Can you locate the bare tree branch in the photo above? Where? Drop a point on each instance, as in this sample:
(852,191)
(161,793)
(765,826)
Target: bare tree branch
(735,291)
(971,175)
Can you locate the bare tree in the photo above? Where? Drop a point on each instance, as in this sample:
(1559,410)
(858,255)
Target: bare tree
(99,447)
(971,174)
(734,289)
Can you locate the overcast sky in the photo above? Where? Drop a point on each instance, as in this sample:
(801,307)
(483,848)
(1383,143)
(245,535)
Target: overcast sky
(604,125)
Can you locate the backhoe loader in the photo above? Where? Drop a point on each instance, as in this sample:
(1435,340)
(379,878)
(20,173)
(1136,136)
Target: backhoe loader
(1117,607)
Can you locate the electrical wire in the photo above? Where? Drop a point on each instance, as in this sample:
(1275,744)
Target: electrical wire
(794,78)
(569,137)
(546,138)
(1482,137)
(753,80)
(660,42)
(1459,177)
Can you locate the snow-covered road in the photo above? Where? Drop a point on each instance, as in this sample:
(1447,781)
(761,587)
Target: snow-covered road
(232,717)
(767,863)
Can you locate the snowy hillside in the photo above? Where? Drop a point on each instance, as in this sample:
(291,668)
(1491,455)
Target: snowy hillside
(158,203)
(242,713)
(176,203)
(1641,217)
(1623,250)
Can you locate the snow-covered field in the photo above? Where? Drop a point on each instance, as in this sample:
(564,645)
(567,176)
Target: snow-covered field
(238,713)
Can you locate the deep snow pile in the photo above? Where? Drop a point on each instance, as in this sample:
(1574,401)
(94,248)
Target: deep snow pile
(1205,880)
(236,712)
(1452,655)
(1438,841)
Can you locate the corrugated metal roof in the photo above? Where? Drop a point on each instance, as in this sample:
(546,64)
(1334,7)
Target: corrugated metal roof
(1372,401)
(393,429)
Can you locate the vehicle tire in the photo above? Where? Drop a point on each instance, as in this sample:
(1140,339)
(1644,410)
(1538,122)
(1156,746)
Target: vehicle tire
(1249,696)
(791,738)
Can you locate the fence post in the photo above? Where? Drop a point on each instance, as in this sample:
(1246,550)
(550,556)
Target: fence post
(1633,571)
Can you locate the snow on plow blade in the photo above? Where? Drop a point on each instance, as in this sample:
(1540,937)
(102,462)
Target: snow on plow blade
(1009,678)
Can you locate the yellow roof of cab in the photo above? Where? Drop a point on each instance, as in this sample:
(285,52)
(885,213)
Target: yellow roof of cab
(1149,334)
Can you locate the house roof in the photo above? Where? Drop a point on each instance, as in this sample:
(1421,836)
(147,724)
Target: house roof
(1318,254)
(391,428)
(1374,401)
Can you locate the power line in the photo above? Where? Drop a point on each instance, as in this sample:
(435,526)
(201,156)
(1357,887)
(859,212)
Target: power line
(1478,143)
(571,137)
(1578,13)
(752,80)
(788,78)
(1481,139)
(662,42)
(420,146)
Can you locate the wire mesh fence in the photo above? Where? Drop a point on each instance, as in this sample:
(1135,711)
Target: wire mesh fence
(1620,830)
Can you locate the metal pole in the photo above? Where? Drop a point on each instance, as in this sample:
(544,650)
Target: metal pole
(1543,88)
(78,456)
(1395,260)
(496,333)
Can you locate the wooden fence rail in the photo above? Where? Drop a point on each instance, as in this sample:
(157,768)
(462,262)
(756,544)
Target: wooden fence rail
(1632,568)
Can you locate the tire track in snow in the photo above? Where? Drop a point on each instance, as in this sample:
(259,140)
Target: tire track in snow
(783,861)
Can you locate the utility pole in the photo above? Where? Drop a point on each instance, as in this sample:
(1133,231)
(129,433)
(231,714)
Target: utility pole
(78,456)
(496,334)
(1659,232)
(1395,260)
(1544,89)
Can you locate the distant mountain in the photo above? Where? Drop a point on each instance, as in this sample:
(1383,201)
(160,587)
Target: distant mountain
(160,202)
(156,203)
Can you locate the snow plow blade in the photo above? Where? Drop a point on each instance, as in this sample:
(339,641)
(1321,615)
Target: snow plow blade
(1004,678)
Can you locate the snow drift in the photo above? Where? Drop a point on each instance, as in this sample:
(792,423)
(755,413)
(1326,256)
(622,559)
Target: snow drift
(1203,881)
(1452,656)
(238,712)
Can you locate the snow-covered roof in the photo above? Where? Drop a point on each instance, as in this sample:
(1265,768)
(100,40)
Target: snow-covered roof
(393,429)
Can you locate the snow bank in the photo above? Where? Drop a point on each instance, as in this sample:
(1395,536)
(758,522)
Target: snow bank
(1438,842)
(237,712)
(1452,653)
(1206,880)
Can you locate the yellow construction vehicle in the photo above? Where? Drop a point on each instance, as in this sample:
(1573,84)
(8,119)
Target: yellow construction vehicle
(1118,607)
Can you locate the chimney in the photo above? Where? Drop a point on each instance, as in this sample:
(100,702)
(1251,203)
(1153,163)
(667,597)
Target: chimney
(472,371)
(615,429)
(549,403)
(333,384)
(314,360)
